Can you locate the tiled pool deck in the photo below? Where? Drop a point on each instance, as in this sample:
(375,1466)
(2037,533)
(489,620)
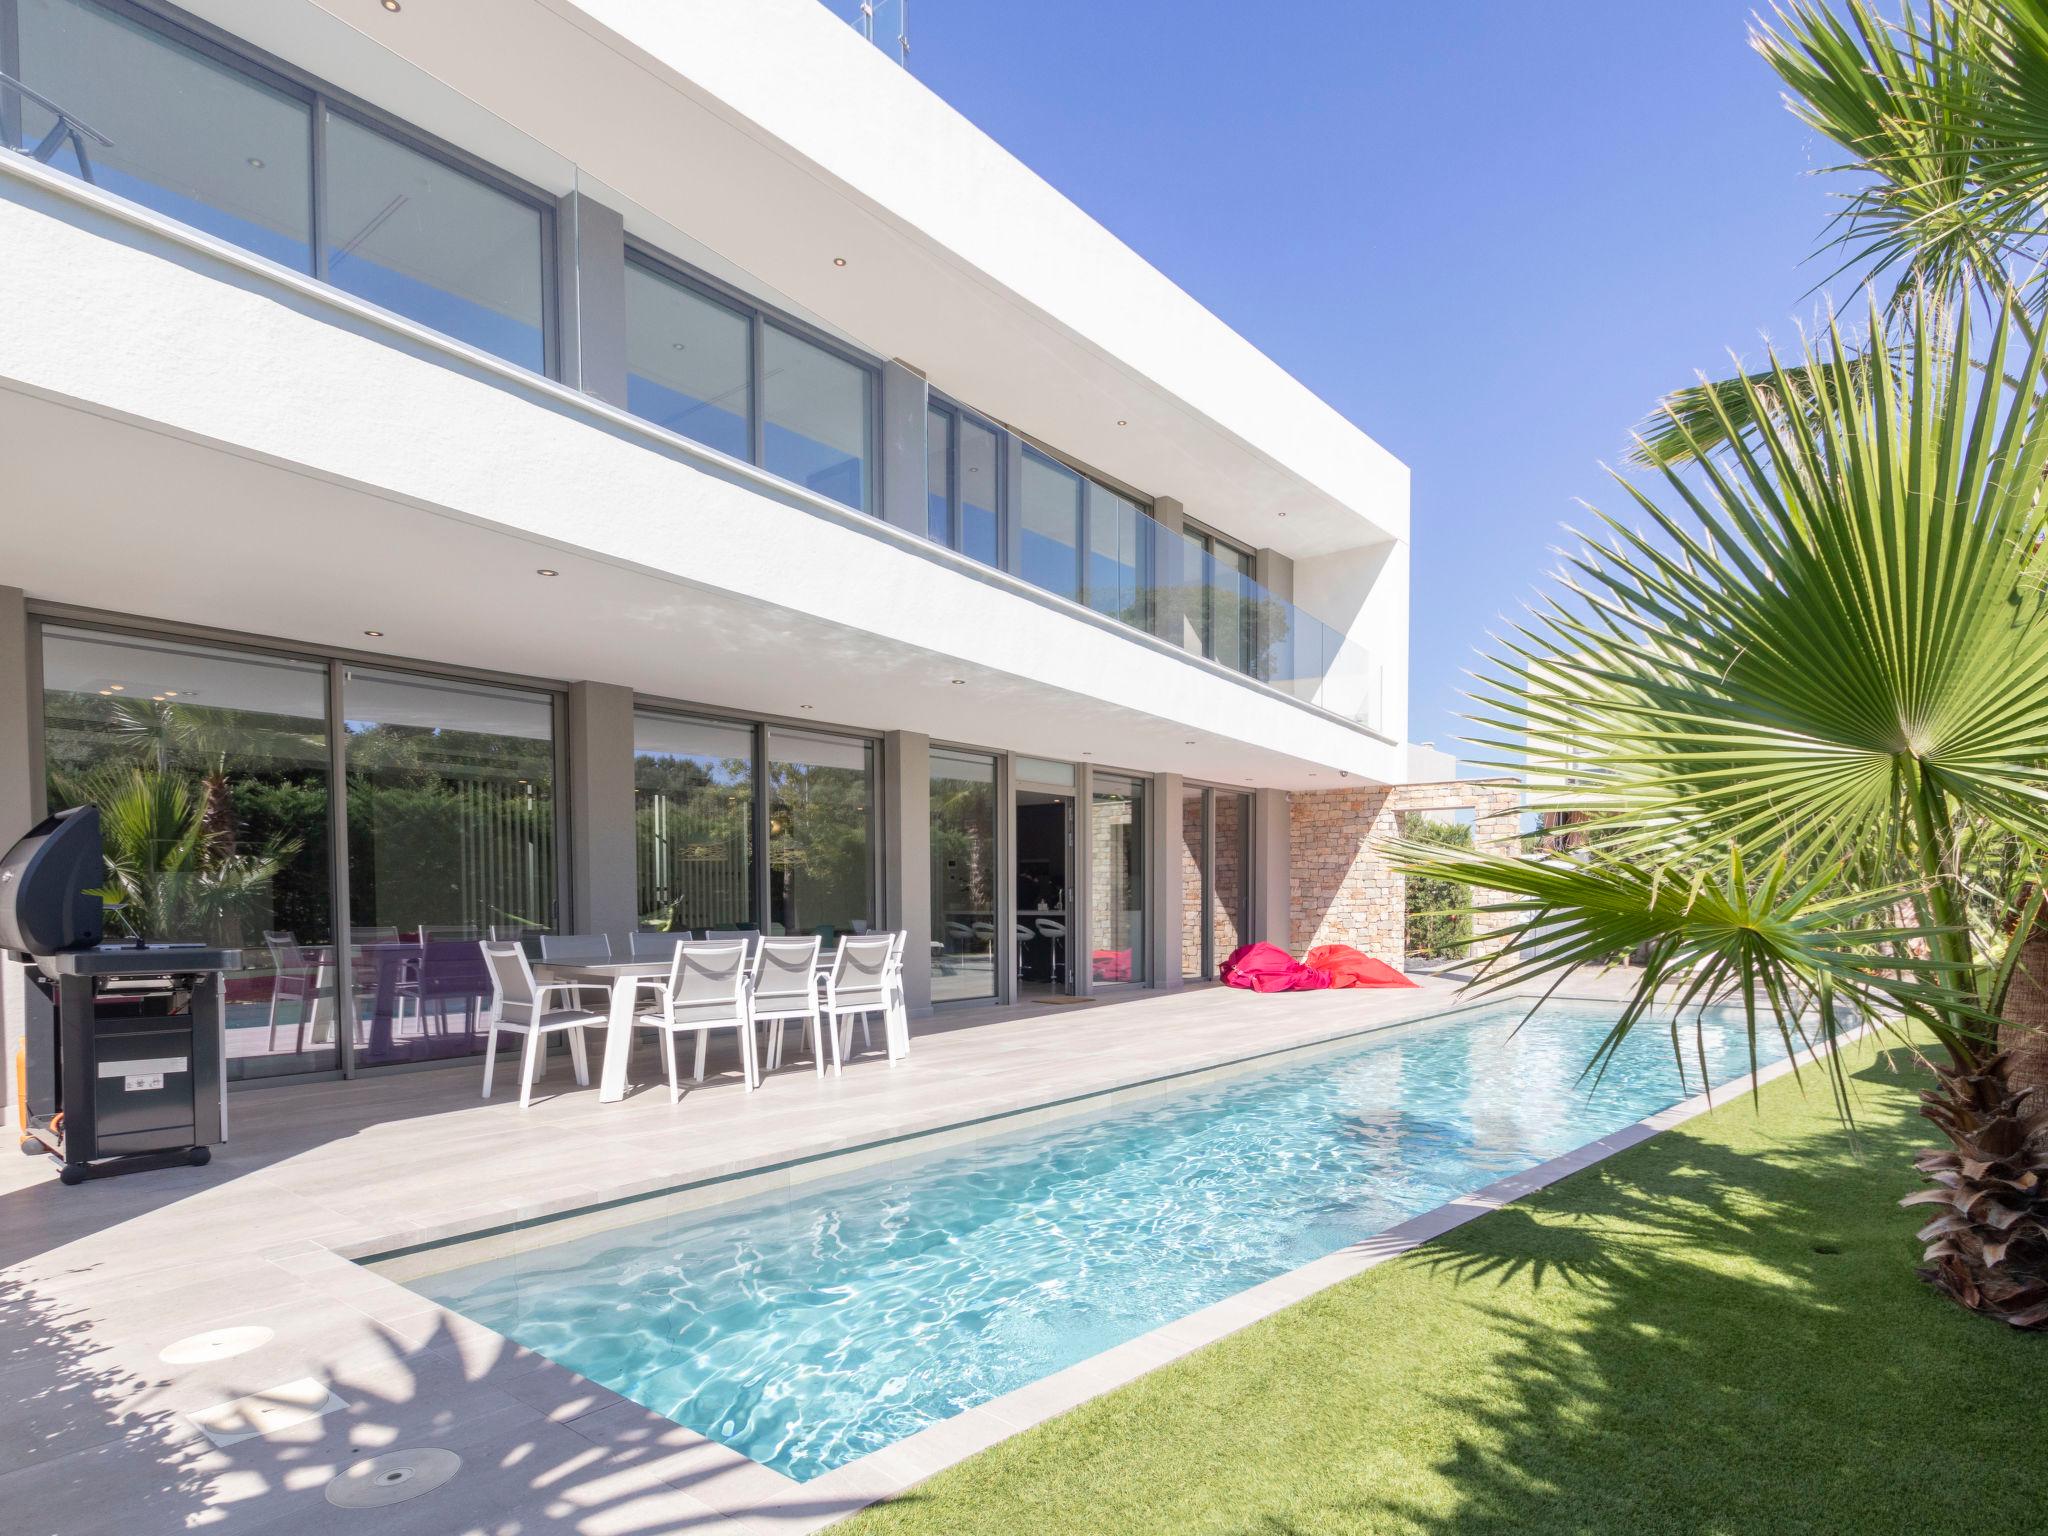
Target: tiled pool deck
(96,1283)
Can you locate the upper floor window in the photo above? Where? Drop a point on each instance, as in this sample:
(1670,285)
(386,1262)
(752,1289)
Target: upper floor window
(1224,599)
(724,374)
(180,124)
(963,484)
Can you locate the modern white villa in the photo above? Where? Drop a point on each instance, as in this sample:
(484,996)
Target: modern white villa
(607,466)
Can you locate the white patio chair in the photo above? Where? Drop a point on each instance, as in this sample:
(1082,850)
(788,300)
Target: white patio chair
(786,988)
(519,1004)
(858,985)
(748,936)
(896,1021)
(709,987)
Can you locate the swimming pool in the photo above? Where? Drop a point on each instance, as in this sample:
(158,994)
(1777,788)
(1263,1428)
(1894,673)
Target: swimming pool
(811,1329)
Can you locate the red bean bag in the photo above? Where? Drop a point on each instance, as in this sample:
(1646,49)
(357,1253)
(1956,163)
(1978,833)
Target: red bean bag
(1347,967)
(1268,968)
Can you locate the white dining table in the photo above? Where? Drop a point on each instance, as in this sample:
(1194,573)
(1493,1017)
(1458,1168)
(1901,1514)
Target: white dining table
(622,979)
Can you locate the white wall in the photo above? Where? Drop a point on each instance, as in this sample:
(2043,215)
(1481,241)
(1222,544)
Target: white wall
(259,466)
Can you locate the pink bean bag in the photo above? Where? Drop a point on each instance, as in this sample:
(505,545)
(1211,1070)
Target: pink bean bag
(1268,968)
(1347,967)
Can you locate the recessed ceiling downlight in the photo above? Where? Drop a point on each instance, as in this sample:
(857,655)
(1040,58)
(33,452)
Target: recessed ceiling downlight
(392,1478)
(391,5)
(546,571)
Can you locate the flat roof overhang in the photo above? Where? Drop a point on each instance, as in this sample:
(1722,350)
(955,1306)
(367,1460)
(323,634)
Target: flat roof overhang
(772,135)
(187,443)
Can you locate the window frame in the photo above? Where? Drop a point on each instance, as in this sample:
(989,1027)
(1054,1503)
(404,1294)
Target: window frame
(183,29)
(659,264)
(956,413)
(1211,540)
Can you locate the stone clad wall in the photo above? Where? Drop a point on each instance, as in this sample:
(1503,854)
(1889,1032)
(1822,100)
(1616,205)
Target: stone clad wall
(1341,890)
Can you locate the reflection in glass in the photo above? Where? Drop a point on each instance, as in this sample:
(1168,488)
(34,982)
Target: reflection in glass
(814,406)
(210,769)
(1194,861)
(167,127)
(1116,880)
(686,363)
(1230,606)
(693,814)
(1115,579)
(820,853)
(980,478)
(964,873)
(410,232)
(938,476)
(1230,875)
(1049,523)
(451,835)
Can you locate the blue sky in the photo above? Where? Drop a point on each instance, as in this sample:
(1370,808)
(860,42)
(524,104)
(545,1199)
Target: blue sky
(1490,233)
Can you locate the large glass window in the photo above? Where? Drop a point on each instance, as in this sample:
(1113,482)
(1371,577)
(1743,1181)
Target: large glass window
(1194,862)
(451,837)
(963,505)
(964,874)
(1115,565)
(938,476)
(1116,880)
(1230,873)
(210,770)
(687,363)
(693,807)
(165,126)
(814,407)
(1050,526)
(820,834)
(408,231)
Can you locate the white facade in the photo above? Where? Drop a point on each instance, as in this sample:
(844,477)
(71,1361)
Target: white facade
(204,441)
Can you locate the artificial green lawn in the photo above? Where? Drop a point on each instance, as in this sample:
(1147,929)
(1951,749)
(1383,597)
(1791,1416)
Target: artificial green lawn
(1717,1331)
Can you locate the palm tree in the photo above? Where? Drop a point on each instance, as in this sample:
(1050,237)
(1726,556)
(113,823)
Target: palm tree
(1944,118)
(1803,719)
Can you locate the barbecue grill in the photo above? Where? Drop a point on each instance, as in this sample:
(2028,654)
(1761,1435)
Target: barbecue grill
(126,1066)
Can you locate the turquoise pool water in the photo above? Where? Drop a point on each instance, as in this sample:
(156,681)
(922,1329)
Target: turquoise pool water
(812,1329)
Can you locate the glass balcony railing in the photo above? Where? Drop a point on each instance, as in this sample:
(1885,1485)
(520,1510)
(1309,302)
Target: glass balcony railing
(1130,567)
(491,255)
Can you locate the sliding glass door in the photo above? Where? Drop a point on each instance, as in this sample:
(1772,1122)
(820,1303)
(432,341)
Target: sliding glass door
(1215,876)
(1116,881)
(964,875)
(451,839)
(693,823)
(210,771)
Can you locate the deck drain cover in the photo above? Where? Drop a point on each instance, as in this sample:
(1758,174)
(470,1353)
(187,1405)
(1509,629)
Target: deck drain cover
(392,1478)
(220,1344)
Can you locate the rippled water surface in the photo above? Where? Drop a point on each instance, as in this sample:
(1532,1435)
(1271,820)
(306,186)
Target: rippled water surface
(813,1329)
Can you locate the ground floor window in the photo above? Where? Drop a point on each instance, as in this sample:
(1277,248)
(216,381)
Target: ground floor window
(693,823)
(1215,876)
(451,839)
(964,875)
(210,769)
(821,834)
(1116,881)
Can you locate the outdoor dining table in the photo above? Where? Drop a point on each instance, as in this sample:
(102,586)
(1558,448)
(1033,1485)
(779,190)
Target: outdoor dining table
(621,978)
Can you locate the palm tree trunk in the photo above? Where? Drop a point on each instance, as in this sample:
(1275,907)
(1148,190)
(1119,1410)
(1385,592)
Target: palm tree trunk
(1988,1246)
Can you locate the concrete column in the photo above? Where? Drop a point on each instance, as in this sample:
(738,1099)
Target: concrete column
(905,396)
(601,852)
(1272,889)
(907,857)
(18,803)
(590,285)
(1165,893)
